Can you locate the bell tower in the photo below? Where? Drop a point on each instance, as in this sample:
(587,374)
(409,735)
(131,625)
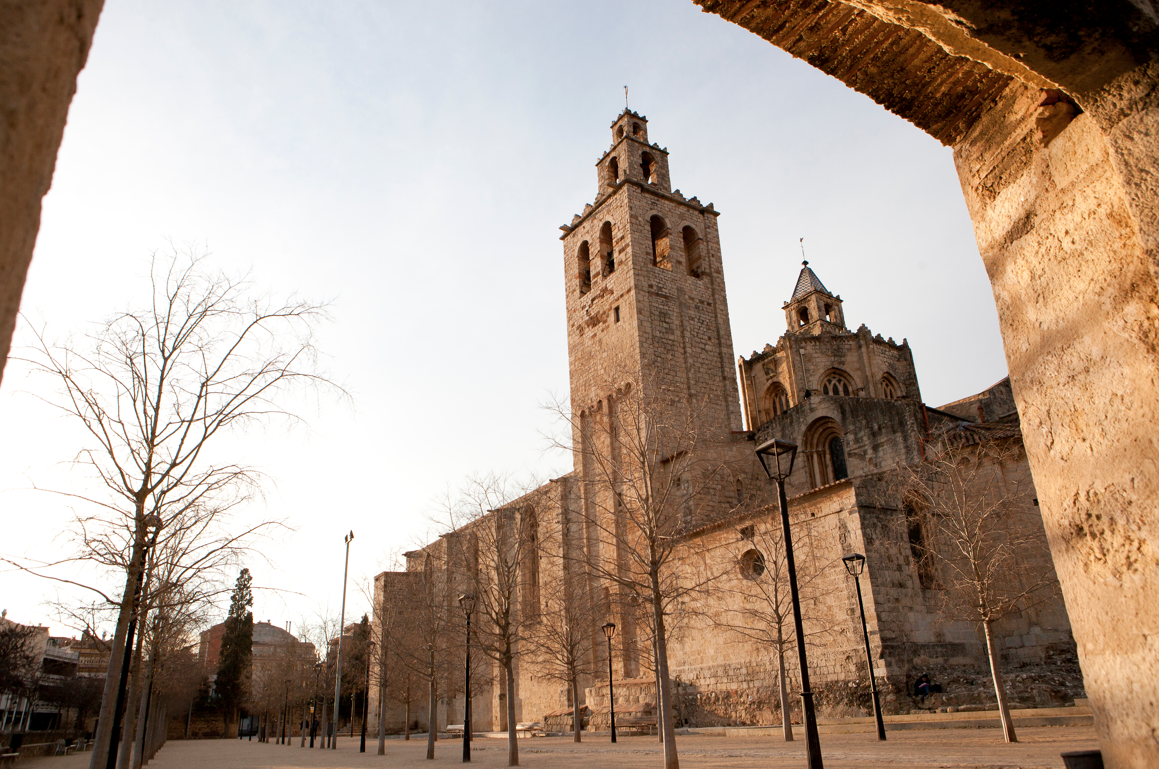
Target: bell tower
(644,287)
(812,309)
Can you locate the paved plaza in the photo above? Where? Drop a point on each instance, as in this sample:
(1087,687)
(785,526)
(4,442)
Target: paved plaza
(983,748)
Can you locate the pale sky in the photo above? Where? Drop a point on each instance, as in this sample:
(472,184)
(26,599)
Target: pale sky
(411,163)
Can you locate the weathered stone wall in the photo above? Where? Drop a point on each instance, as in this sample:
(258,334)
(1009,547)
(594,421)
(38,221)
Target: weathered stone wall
(1073,260)
(878,434)
(43,47)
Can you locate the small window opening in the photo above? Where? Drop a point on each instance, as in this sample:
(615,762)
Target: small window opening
(802,316)
(752,565)
(613,171)
(606,248)
(748,532)
(917,547)
(660,243)
(648,167)
(620,133)
(585,269)
(739,492)
(829,313)
(616,314)
(686,511)
(692,251)
(635,129)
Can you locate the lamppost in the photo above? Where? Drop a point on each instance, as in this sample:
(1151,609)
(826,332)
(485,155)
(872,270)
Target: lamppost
(855,565)
(366,697)
(777,458)
(609,629)
(467,602)
(284,738)
(341,633)
(314,706)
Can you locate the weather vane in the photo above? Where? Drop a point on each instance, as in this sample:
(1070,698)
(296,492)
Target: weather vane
(625,97)
(804,261)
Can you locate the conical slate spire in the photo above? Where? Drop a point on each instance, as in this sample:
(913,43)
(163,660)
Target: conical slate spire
(807,282)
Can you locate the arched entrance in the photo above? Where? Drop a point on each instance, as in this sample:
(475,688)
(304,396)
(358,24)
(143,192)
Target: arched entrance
(1051,110)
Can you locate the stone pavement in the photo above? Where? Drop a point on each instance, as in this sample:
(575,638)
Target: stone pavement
(973,748)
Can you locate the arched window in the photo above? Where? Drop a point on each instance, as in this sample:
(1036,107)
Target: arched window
(890,388)
(607,251)
(802,316)
(837,382)
(585,268)
(824,448)
(752,564)
(530,564)
(836,448)
(692,251)
(648,167)
(776,401)
(829,313)
(613,171)
(619,133)
(636,129)
(660,243)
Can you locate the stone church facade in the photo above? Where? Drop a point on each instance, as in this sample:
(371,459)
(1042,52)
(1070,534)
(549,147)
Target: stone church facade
(647,317)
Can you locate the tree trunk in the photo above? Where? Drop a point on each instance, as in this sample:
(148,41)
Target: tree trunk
(999,688)
(382,715)
(143,711)
(406,727)
(656,667)
(781,679)
(671,760)
(576,716)
(129,724)
(324,725)
(432,714)
(102,738)
(512,735)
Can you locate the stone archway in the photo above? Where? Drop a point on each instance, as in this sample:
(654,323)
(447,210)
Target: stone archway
(1052,110)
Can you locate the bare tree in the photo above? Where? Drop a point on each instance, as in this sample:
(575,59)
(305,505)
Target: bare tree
(560,638)
(971,514)
(758,606)
(494,556)
(155,388)
(19,664)
(645,467)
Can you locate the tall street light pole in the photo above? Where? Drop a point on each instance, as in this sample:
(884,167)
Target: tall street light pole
(341,634)
(467,601)
(366,697)
(284,738)
(855,565)
(609,629)
(777,459)
(314,708)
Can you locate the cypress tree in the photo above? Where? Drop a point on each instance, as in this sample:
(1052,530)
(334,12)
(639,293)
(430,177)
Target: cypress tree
(233,667)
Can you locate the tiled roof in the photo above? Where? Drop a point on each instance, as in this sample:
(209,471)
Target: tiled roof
(807,283)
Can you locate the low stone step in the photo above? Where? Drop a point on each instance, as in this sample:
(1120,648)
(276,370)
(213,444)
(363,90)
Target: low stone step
(982,720)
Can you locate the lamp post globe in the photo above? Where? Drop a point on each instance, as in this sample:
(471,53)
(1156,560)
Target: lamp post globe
(855,565)
(777,457)
(467,603)
(609,629)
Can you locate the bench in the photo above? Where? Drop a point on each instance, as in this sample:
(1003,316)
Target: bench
(637,724)
(530,729)
(454,729)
